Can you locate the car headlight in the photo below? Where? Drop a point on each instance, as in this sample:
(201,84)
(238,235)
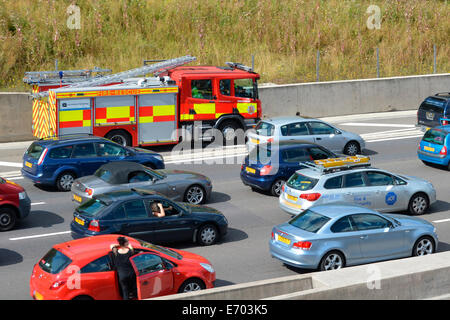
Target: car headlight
(207,267)
(22,195)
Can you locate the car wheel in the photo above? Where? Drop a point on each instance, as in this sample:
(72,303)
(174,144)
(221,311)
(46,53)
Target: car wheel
(207,235)
(195,195)
(333,260)
(120,137)
(423,246)
(191,285)
(65,181)
(418,204)
(8,219)
(275,190)
(352,148)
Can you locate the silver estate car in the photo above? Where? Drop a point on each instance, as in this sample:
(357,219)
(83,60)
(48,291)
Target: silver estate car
(362,185)
(328,237)
(310,130)
(177,185)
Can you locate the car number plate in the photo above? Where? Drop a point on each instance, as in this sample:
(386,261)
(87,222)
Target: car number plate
(284,240)
(250,170)
(79,221)
(28,164)
(428,148)
(291,197)
(255,141)
(76,198)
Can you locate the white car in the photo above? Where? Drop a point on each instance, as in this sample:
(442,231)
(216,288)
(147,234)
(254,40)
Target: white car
(310,130)
(352,180)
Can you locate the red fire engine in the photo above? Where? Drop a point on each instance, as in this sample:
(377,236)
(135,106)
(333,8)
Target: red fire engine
(151,111)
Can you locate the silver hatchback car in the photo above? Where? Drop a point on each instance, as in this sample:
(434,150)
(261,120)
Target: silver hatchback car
(333,236)
(353,180)
(305,129)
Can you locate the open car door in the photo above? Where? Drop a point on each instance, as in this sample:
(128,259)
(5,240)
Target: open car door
(153,276)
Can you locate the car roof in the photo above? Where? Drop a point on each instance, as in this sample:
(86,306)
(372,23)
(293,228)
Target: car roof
(88,247)
(123,195)
(282,145)
(319,174)
(280,121)
(121,169)
(336,210)
(70,138)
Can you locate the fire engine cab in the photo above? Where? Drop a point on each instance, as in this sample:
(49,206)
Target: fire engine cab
(152,110)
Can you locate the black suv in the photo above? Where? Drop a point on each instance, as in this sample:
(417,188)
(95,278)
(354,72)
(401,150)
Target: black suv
(434,111)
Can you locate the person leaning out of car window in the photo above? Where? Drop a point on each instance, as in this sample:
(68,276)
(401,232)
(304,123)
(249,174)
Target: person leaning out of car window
(158,209)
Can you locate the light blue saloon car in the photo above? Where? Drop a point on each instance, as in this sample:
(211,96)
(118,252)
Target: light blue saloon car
(329,237)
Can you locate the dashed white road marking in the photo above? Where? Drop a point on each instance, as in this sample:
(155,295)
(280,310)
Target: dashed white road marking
(39,236)
(370,124)
(442,220)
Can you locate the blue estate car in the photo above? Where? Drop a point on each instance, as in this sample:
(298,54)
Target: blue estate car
(435,145)
(269,166)
(59,161)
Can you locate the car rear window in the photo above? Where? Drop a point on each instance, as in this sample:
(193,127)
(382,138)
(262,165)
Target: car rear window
(309,221)
(432,104)
(301,182)
(435,136)
(54,261)
(265,129)
(260,154)
(103,174)
(92,208)
(34,151)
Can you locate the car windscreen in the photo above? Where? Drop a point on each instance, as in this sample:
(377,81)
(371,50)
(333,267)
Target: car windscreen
(103,174)
(34,151)
(92,207)
(435,136)
(265,129)
(164,250)
(54,262)
(309,221)
(301,182)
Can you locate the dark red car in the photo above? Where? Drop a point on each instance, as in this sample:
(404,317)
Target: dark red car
(14,204)
(82,269)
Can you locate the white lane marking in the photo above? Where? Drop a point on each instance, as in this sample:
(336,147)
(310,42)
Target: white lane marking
(443,220)
(397,138)
(15,178)
(11,164)
(39,236)
(369,124)
(189,160)
(37,203)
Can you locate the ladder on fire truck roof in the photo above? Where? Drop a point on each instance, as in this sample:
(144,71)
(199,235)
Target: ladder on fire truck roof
(156,68)
(62,76)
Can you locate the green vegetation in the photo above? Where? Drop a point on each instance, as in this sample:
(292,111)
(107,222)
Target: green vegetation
(283,35)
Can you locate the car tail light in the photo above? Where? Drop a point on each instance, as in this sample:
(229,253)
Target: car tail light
(270,140)
(443,151)
(89,191)
(310,196)
(57,284)
(282,188)
(304,245)
(265,170)
(94,226)
(41,158)
(242,167)
(273,235)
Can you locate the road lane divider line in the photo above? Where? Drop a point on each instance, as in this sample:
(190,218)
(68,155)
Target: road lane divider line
(11,164)
(39,236)
(37,203)
(369,124)
(442,220)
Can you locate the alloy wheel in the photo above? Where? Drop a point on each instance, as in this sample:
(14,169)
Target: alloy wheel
(195,195)
(424,247)
(333,262)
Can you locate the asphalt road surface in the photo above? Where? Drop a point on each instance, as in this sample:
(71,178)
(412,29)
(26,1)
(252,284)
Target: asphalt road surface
(243,255)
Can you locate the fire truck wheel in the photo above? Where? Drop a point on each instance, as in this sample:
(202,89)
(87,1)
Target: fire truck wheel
(228,128)
(119,136)
(65,180)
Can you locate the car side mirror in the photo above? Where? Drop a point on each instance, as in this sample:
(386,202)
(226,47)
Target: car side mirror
(338,131)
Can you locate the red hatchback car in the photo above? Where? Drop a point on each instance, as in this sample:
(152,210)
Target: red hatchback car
(82,269)
(14,204)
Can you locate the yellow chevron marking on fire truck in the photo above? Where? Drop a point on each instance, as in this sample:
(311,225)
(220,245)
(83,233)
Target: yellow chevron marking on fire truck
(205,108)
(164,110)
